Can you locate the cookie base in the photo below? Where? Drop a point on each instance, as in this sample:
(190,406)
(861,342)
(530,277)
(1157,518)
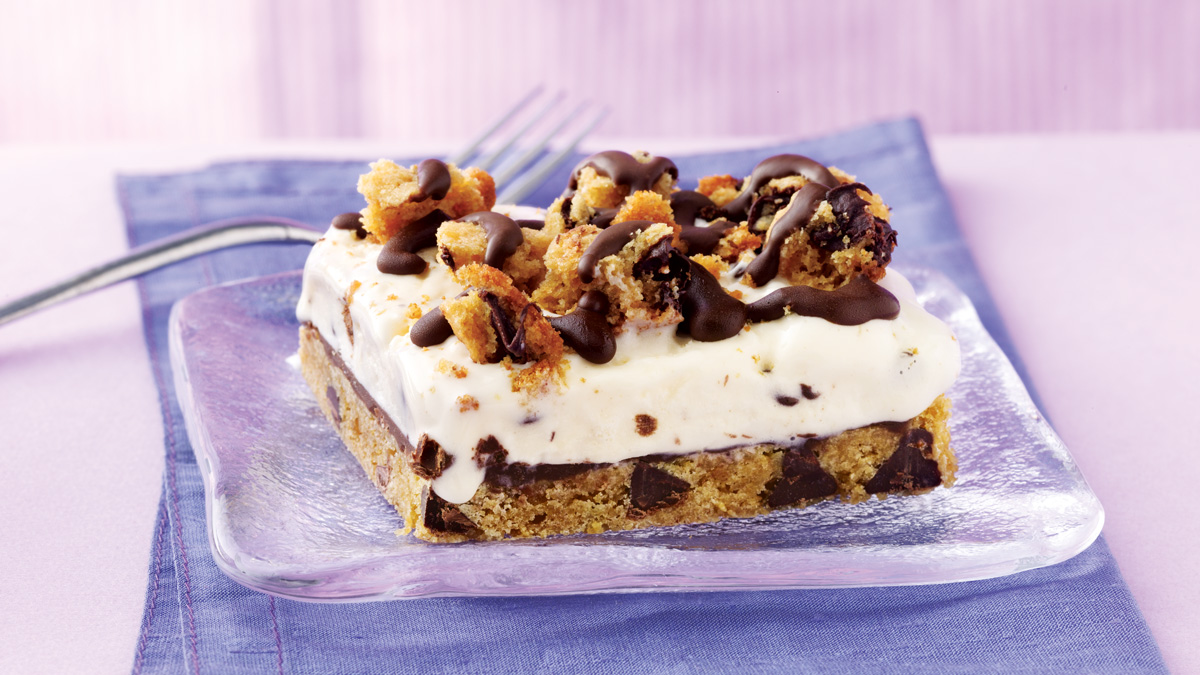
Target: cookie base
(910,457)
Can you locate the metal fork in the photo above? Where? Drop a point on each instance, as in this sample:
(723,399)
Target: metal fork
(518,176)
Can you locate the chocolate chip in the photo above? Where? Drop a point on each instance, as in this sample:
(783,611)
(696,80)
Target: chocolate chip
(808,393)
(852,221)
(510,335)
(334,404)
(383,473)
(565,209)
(787,400)
(646,424)
(350,221)
(651,488)
(442,516)
(431,329)
(489,452)
(429,459)
(664,263)
(911,467)
(763,209)
(802,479)
(854,224)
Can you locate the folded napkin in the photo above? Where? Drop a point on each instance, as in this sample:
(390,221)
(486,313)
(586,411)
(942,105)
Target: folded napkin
(1077,616)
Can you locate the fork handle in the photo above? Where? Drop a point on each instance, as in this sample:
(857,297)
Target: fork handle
(160,253)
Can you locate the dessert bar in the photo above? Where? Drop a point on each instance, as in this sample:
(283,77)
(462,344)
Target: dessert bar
(637,354)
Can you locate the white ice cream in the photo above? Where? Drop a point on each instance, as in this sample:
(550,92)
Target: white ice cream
(704,395)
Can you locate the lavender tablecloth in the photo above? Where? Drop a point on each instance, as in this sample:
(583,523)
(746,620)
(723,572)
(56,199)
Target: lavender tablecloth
(1072,617)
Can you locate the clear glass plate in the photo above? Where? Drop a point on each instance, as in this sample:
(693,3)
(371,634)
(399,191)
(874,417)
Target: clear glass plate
(291,513)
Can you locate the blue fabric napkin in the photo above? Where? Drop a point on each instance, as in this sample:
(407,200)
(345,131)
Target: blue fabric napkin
(1077,616)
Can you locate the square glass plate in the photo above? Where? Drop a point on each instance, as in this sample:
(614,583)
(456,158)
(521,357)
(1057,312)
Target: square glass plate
(291,513)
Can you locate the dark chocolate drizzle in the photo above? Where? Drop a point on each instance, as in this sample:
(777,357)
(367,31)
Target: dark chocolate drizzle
(709,313)
(624,169)
(860,300)
(778,166)
(520,474)
(602,218)
(531,224)
(586,329)
(350,221)
(686,207)
(431,329)
(804,204)
(399,254)
(608,242)
(503,236)
(704,240)
(433,180)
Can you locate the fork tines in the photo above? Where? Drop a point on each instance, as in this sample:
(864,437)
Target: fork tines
(521,168)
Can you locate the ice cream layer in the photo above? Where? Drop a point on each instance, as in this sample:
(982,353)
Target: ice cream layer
(777,381)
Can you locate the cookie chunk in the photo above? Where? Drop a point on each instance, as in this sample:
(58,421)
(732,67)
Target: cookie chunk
(768,188)
(561,289)
(824,238)
(645,205)
(397,196)
(494,239)
(737,242)
(720,189)
(605,179)
(635,264)
(497,323)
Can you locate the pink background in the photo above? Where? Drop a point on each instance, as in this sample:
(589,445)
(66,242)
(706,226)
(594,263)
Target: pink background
(233,69)
(1004,89)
